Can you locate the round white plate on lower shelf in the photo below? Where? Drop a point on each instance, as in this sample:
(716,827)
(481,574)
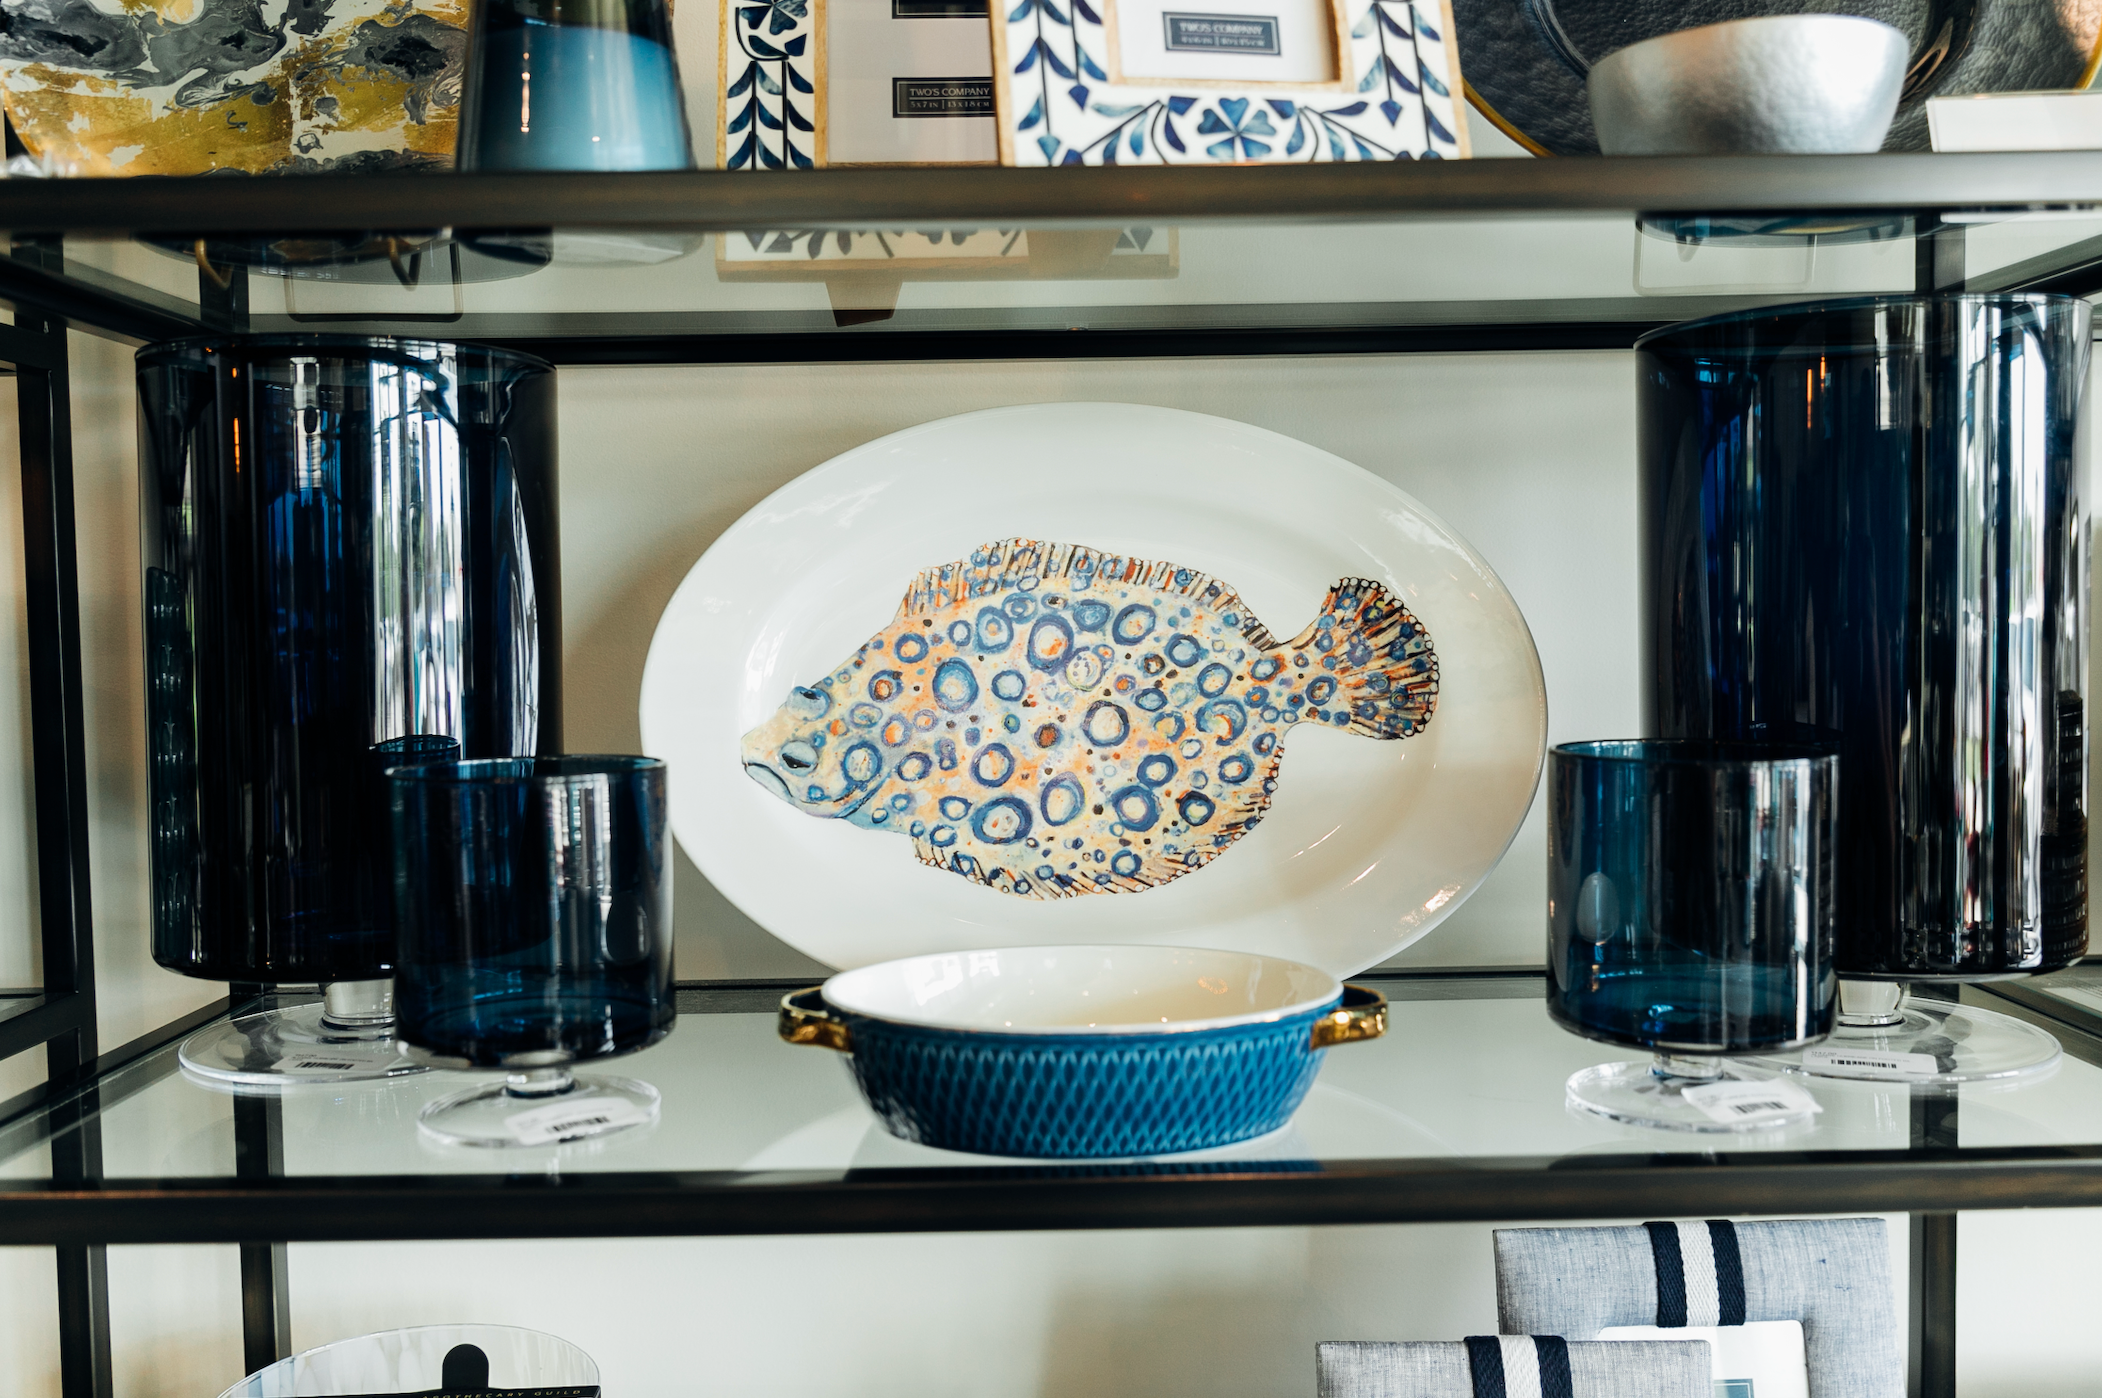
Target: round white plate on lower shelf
(1366,843)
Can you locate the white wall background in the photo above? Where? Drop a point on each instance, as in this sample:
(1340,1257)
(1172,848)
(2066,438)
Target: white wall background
(1529,456)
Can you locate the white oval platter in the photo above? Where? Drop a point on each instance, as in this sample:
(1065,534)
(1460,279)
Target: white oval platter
(1368,844)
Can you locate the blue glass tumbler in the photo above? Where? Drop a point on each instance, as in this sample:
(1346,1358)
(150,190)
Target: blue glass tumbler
(1862,524)
(1690,901)
(573,85)
(347,542)
(533,902)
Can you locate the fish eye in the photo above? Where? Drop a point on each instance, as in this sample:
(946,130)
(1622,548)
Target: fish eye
(812,703)
(798,756)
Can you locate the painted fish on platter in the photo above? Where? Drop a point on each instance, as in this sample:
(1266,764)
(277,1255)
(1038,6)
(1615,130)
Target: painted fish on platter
(1048,720)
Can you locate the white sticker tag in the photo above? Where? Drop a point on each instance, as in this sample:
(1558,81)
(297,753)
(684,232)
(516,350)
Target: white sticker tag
(327,1060)
(1737,1102)
(1857,1063)
(572,1118)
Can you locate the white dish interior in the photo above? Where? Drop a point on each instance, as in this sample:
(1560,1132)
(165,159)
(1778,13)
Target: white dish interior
(1083,990)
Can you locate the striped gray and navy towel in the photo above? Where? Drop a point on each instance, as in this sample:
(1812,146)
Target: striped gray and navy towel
(1831,1274)
(1514,1366)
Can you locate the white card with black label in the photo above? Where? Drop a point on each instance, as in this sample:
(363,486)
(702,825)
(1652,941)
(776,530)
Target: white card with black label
(1743,1103)
(571,1118)
(1240,41)
(1875,1065)
(908,82)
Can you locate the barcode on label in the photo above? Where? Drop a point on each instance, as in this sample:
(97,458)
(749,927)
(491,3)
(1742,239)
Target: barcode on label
(1751,1101)
(566,1121)
(1884,1066)
(328,1065)
(577,1123)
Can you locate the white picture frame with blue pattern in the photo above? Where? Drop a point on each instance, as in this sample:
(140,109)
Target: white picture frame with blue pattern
(1060,102)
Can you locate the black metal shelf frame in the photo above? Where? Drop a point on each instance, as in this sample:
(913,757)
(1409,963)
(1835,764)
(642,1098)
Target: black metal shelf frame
(79,1213)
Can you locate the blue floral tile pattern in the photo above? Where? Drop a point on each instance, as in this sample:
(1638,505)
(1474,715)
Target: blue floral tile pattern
(1049,60)
(769,99)
(1084,1096)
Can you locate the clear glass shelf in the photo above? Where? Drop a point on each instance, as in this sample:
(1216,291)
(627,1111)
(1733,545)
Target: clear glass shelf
(1484,254)
(1469,1078)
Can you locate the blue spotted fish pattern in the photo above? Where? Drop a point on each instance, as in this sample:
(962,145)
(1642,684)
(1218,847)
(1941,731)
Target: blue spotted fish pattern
(1049,720)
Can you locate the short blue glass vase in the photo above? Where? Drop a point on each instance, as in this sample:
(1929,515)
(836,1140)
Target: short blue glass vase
(1690,912)
(533,908)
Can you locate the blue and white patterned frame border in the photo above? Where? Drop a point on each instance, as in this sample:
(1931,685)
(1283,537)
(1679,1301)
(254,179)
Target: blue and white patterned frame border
(1057,105)
(770,84)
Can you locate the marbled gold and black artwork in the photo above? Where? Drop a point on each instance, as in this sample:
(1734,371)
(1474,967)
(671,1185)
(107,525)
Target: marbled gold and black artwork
(184,87)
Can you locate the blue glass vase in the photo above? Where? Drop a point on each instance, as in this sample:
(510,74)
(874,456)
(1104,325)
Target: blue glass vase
(350,562)
(573,85)
(533,901)
(1862,524)
(1690,908)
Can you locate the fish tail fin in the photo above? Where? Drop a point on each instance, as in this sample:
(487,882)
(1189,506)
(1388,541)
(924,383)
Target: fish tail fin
(1365,663)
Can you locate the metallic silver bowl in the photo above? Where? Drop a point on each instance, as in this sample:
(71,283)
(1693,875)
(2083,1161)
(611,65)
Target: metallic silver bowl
(1780,84)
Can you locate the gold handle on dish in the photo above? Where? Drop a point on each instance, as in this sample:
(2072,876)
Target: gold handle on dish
(223,280)
(807,1019)
(1361,1016)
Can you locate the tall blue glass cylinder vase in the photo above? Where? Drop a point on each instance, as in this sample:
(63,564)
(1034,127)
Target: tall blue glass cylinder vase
(1862,524)
(573,85)
(348,543)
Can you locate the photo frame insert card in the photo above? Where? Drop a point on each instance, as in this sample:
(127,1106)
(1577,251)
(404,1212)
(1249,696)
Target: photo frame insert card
(1759,1359)
(1108,82)
(810,83)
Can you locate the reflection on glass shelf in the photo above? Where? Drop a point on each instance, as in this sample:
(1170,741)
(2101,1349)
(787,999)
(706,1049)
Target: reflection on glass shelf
(1593,268)
(1339,269)
(1453,1078)
(2087,997)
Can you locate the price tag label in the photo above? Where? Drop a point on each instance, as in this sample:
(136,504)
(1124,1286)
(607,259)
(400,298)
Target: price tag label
(572,1118)
(327,1060)
(1745,1103)
(1831,1062)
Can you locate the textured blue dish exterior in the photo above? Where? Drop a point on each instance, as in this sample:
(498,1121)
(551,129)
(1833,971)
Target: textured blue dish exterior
(1084,1096)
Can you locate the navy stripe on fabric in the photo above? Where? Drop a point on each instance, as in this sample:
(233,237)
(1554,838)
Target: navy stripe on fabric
(1485,1360)
(1729,1271)
(1553,1353)
(1671,1275)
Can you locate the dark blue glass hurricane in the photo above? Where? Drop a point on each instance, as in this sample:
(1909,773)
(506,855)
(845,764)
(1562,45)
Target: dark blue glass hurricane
(1690,893)
(1861,524)
(347,541)
(533,901)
